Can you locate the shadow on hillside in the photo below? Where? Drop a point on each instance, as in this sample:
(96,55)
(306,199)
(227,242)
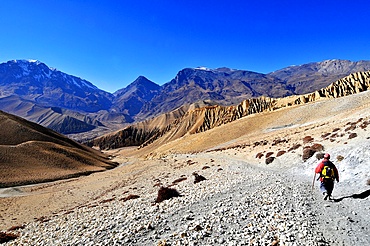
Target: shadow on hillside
(362,195)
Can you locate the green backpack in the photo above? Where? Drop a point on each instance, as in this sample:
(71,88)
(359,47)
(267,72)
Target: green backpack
(328,171)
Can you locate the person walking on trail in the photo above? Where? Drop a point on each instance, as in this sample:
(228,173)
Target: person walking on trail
(328,173)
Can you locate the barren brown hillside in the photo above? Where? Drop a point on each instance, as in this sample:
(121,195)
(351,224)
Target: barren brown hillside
(30,153)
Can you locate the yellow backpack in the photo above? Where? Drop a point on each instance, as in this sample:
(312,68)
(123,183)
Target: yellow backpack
(328,171)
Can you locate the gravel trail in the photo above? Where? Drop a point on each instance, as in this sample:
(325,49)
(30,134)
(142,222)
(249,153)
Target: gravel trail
(238,204)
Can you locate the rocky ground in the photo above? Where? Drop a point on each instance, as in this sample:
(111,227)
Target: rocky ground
(243,201)
(237,204)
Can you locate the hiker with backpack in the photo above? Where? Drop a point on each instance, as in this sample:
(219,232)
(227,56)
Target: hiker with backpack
(328,173)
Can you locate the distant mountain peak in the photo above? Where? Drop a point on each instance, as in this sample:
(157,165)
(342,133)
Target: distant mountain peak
(34,80)
(37,62)
(27,62)
(142,79)
(133,97)
(39,69)
(140,82)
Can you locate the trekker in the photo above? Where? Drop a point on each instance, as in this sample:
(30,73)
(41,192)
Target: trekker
(328,173)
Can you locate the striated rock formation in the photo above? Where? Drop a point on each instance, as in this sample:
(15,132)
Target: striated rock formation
(179,123)
(210,117)
(193,121)
(138,133)
(352,84)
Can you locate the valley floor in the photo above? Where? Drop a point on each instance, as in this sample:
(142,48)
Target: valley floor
(238,204)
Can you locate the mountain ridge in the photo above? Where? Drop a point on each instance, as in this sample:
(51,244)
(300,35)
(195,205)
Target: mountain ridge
(205,118)
(312,76)
(132,98)
(143,99)
(225,87)
(36,81)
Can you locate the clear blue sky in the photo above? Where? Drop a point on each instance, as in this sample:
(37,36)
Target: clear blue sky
(111,43)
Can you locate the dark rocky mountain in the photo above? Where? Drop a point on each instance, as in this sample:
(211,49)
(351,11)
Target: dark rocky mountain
(49,97)
(217,86)
(33,80)
(132,98)
(313,76)
(224,86)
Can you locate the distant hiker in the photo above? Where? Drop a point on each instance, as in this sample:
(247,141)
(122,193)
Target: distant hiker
(328,173)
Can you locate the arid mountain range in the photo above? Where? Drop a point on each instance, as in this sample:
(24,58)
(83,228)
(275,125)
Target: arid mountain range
(71,105)
(166,127)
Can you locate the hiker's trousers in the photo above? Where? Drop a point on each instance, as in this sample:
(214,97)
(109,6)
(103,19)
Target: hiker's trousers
(327,185)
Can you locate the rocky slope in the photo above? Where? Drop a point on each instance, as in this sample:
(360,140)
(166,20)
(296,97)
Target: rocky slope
(234,206)
(203,119)
(238,203)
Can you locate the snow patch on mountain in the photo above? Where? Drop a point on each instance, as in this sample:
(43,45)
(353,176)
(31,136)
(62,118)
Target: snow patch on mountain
(34,61)
(203,68)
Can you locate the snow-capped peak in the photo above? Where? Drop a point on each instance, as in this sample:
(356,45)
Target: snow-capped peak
(34,61)
(203,68)
(22,61)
